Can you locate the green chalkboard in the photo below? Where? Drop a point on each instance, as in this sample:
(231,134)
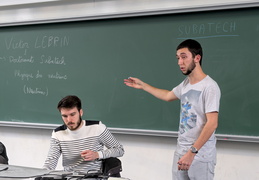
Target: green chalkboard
(41,63)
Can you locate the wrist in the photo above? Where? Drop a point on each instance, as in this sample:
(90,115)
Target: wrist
(193,150)
(144,86)
(100,155)
(97,155)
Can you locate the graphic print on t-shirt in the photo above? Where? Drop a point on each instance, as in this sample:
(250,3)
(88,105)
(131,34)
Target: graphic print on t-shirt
(188,116)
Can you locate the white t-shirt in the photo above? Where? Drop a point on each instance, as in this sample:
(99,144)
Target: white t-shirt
(197,100)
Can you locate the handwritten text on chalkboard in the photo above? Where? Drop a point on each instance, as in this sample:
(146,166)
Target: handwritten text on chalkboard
(20,52)
(207,30)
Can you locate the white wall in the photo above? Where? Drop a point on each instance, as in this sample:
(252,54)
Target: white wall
(27,11)
(146,157)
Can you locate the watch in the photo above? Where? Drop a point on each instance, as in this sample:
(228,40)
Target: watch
(194,150)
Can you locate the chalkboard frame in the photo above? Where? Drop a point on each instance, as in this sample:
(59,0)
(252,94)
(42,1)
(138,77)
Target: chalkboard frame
(126,131)
(118,130)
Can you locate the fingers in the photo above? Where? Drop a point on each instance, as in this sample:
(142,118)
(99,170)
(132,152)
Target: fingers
(183,166)
(129,81)
(134,82)
(85,152)
(132,78)
(89,155)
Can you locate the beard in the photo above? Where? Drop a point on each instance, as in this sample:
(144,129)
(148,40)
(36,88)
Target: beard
(190,69)
(77,125)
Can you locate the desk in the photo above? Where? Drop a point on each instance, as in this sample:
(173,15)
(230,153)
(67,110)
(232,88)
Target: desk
(10,172)
(110,178)
(17,179)
(59,174)
(20,172)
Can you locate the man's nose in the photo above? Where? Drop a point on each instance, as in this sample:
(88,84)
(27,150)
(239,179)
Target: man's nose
(69,119)
(180,61)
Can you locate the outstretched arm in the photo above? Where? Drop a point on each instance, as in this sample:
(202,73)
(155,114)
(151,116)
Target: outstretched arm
(159,93)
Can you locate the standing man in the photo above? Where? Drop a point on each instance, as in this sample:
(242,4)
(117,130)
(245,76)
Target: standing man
(195,155)
(81,142)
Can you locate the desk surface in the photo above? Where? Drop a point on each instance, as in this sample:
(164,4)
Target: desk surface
(111,178)
(10,172)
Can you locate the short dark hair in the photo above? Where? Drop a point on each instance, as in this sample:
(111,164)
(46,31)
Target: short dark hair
(70,101)
(193,46)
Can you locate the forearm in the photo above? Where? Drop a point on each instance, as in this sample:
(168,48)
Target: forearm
(116,151)
(162,94)
(208,130)
(158,93)
(206,133)
(53,156)
(113,146)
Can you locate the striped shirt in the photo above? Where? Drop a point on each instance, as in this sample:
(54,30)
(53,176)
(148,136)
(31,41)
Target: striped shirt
(93,135)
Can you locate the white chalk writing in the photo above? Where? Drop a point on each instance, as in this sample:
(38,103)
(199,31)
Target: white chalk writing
(35,90)
(23,76)
(52,60)
(21,59)
(211,29)
(30,65)
(51,41)
(57,76)
(16,44)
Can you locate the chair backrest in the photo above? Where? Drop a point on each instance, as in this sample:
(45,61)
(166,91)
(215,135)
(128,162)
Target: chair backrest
(112,167)
(3,154)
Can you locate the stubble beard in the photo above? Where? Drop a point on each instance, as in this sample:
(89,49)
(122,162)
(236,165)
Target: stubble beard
(190,69)
(78,125)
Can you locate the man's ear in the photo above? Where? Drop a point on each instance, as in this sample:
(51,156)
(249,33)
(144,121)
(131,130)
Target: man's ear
(81,112)
(197,58)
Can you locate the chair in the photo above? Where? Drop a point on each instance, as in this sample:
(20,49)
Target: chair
(3,154)
(111,167)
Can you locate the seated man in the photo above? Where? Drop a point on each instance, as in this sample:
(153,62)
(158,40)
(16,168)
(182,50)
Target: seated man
(81,142)
(3,154)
